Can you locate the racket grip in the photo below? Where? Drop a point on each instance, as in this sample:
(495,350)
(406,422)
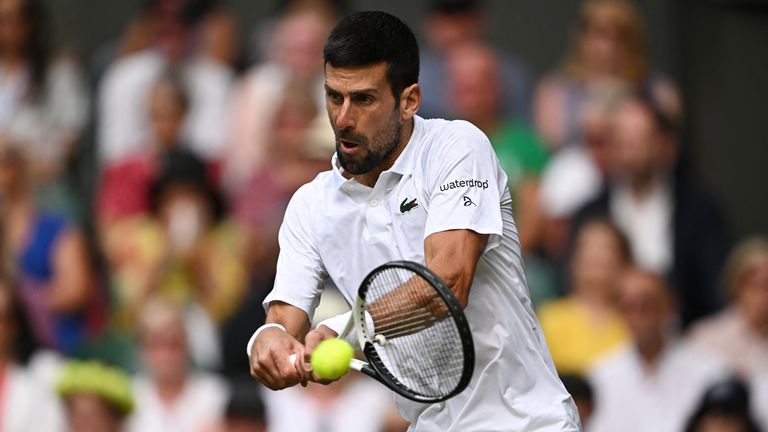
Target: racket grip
(292,358)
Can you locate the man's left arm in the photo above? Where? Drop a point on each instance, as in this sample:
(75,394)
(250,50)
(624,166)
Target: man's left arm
(453,256)
(464,184)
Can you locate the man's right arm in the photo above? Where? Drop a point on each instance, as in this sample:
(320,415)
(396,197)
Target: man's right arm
(298,283)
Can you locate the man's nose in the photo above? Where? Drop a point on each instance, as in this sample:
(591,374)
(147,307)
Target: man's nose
(345,119)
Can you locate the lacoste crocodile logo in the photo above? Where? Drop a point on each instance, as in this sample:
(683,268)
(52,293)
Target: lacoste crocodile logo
(406,206)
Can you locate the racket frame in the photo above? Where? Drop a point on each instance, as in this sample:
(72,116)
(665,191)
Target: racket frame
(375,368)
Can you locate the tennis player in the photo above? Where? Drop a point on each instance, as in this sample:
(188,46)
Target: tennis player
(405,188)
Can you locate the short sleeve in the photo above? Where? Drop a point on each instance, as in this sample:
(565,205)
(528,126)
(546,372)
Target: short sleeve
(300,273)
(464,183)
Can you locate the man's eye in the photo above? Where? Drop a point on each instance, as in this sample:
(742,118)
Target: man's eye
(366,99)
(335,97)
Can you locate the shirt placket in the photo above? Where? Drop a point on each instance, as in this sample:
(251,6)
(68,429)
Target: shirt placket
(378,215)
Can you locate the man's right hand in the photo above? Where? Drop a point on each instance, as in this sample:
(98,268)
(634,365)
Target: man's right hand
(270,363)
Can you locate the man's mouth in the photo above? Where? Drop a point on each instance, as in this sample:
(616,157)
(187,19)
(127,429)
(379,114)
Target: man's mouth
(348,146)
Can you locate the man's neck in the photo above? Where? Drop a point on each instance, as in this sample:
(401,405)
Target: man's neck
(650,352)
(170,389)
(488,122)
(371,177)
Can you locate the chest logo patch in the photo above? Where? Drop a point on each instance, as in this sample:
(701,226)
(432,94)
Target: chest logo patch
(468,202)
(406,206)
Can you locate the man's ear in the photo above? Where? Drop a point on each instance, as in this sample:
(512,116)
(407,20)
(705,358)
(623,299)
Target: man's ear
(410,100)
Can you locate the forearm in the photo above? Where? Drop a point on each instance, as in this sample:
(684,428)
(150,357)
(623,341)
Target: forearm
(453,255)
(294,319)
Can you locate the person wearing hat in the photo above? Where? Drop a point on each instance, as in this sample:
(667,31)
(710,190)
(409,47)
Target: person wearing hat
(724,407)
(97,398)
(185,251)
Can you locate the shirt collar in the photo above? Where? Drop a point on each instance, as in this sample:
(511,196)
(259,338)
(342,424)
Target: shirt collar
(403,164)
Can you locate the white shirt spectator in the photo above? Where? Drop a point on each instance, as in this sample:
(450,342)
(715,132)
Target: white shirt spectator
(630,397)
(759,397)
(362,406)
(339,229)
(729,335)
(47,124)
(200,405)
(647,222)
(27,404)
(123,105)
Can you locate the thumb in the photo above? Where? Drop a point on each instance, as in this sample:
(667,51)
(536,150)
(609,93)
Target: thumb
(313,339)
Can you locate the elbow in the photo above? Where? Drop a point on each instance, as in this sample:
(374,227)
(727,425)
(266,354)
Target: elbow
(459,284)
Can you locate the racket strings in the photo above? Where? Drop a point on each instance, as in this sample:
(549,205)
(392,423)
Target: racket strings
(421,349)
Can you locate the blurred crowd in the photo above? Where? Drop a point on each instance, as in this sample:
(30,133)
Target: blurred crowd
(141,195)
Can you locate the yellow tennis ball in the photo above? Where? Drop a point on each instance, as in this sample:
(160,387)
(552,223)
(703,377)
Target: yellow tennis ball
(330,359)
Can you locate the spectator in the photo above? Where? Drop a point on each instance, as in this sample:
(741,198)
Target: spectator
(674,228)
(124,185)
(607,59)
(473,78)
(760,398)
(245,410)
(48,256)
(169,396)
(724,408)
(295,55)
(43,100)
(353,403)
(30,402)
(740,332)
(125,88)
(185,252)
(97,398)
(586,324)
(450,23)
(296,153)
(653,383)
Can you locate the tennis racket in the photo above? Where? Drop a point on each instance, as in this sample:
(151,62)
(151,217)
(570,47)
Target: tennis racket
(413,332)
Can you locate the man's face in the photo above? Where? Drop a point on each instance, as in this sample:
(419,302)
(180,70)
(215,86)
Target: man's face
(636,148)
(645,305)
(472,77)
(364,115)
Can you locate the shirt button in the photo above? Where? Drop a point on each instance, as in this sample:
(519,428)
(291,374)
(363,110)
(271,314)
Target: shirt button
(373,203)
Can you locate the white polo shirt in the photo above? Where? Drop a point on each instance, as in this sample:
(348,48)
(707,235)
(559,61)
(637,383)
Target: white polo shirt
(337,230)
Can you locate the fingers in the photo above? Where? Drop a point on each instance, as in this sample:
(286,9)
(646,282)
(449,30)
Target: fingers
(270,363)
(314,338)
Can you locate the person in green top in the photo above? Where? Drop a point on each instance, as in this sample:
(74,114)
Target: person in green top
(474,90)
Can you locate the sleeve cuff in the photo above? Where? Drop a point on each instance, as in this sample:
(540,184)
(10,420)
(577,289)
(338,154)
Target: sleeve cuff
(256,334)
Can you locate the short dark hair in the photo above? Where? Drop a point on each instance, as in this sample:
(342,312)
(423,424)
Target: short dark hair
(366,38)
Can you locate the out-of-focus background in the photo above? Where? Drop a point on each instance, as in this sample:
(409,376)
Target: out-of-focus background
(148,149)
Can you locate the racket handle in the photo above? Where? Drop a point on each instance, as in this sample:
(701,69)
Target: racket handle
(292,358)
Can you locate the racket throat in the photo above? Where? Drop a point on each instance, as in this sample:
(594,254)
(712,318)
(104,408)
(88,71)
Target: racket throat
(364,368)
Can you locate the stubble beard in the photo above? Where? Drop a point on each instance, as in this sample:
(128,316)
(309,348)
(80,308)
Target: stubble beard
(378,149)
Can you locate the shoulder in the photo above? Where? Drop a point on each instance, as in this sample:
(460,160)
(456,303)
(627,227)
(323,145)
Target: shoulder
(64,66)
(305,202)
(698,361)
(451,129)
(140,65)
(615,363)
(444,138)
(208,383)
(712,328)
(210,390)
(314,191)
